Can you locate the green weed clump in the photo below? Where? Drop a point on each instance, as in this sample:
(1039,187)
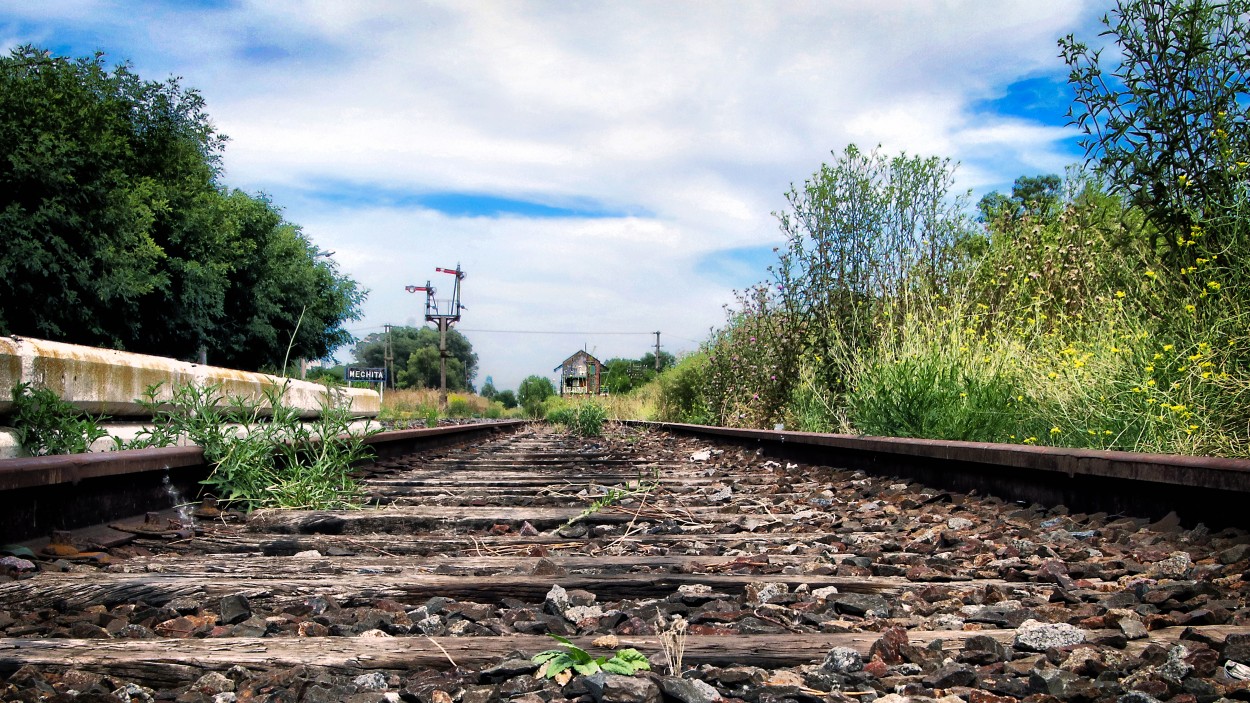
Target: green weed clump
(263,455)
(47,425)
(583,417)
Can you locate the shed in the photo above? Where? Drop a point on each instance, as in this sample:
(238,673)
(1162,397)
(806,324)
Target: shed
(580,374)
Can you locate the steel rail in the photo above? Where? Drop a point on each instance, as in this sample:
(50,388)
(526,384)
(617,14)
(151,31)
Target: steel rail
(1210,490)
(41,494)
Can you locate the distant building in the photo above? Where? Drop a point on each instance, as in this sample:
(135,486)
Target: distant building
(580,375)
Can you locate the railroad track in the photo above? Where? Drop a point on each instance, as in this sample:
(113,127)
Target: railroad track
(473,554)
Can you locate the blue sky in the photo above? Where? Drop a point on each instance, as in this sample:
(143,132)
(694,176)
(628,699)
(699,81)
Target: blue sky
(594,167)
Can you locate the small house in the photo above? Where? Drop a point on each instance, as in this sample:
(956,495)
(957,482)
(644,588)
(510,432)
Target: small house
(580,375)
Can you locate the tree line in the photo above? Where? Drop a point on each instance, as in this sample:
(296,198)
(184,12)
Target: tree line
(119,232)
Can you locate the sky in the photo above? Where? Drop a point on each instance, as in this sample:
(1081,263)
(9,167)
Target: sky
(600,170)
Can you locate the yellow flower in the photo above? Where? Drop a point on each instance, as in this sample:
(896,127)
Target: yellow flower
(1119,294)
(1055,430)
(1190,308)
(1052,375)
(1151,382)
(1150,274)
(1166,347)
(1213,285)
(1149,368)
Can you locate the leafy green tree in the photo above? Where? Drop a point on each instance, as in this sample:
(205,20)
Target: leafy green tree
(488,389)
(1166,117)
(118,234)
(1035,196)
(858,232)
(533,391)
(417,358)
(508,398)
(424,370)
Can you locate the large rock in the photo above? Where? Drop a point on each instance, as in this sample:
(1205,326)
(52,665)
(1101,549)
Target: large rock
(843,660)
(864,604)
(689,690)
(1034,636)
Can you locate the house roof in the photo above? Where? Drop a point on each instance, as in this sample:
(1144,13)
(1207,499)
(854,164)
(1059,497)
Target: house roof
(579,353)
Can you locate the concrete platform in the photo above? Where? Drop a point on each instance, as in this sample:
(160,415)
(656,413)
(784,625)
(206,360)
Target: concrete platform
(107,381)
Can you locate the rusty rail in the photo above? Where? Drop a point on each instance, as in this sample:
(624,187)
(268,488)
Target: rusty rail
(41,494)
(1211,490)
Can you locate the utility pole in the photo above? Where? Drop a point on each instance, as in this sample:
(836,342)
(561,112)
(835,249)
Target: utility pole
(388,358)
(443,313)
(657,352)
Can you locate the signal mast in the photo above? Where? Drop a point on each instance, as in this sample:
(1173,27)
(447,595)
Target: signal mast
(443,313)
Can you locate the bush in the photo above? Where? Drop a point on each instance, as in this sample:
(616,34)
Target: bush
(681,395)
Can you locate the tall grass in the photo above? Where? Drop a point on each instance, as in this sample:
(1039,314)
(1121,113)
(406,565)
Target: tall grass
(411,404)
(1065,328)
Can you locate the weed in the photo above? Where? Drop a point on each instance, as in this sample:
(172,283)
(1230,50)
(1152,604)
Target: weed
(263,454)
(673,641)
(46,424)
(555,662)
(584,418)
(611,497)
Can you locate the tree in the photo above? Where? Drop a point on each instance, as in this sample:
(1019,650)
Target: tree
(488,389)
(1034,196)
(508,398)
(117,233)
(417,357)
(1167,124)
(859,232)
(533,391)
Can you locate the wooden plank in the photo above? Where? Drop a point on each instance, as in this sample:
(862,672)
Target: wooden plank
(222,542)
(81,590)
(168,663)
(412,518)
(272,566)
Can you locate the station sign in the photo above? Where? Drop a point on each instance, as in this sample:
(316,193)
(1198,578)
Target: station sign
(366,374)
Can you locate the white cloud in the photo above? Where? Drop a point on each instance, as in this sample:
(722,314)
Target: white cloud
(694,117)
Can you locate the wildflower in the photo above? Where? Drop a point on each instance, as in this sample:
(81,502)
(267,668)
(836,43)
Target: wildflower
(1055,430)
(1150,274)
(1168,347)
(1150,382)
(1119,294)
(1190,308)
(1149,368)
(1213,285)
(1052,375)
(1030,440)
